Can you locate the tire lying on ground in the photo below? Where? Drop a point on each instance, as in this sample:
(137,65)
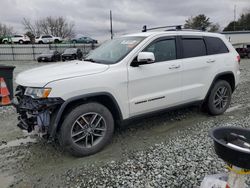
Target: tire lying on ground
(86,129)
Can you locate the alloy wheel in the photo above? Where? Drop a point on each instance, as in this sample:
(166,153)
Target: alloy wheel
(88,130)
(221,98)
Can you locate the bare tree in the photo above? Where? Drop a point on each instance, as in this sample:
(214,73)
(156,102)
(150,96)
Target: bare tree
(29,27)
(50,26)
(5,30)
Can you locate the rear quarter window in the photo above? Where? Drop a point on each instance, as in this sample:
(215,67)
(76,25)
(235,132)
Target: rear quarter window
(215,46)
(193,47)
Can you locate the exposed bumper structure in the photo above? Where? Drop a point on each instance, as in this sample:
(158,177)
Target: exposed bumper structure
(35,114)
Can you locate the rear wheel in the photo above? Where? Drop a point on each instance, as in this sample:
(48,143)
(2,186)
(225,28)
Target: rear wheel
(219,98)
(86,129)
(20,41)
(56,41)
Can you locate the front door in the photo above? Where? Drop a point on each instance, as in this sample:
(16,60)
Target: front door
(156,86)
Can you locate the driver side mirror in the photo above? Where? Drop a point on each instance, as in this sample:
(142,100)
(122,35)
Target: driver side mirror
(144,58)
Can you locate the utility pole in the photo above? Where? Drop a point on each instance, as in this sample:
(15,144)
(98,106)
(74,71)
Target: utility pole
(111,25)
(234,17)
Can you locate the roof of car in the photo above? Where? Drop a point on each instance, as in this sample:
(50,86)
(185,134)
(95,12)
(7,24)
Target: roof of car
(179,32)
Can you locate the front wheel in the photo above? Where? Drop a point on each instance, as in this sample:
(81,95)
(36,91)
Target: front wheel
(86,129)
(219,98)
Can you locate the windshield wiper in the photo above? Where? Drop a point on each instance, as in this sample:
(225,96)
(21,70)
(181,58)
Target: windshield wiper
(90,59)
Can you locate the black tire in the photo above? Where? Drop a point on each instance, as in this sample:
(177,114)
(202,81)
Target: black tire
(5,42)
(74,41)
(56,41)
(20,41)
(248,55)
(40,42)
(219,98)
(70,127)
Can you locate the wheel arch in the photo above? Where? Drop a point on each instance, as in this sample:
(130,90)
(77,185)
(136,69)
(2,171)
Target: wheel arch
(104,98)
(227,76)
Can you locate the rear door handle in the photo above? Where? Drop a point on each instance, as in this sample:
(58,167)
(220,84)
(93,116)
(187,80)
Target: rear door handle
(210,61)
(174,66)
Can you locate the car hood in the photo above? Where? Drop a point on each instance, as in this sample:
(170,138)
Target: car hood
(39,77)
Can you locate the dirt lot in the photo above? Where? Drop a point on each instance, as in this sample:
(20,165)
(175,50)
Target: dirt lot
(169,150)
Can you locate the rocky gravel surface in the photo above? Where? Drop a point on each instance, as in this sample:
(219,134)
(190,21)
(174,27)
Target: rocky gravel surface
(169,150)
(182,161)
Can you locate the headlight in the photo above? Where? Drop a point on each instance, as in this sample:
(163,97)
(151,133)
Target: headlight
(37,93)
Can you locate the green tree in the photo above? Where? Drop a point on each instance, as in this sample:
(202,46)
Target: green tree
(31,36)
(243,23)
(198,22)
(214,28)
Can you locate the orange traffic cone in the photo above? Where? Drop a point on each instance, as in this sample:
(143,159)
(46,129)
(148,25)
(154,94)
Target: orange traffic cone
(4,93)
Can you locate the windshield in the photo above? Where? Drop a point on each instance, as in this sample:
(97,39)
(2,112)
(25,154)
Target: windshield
(114,50)
(70,50)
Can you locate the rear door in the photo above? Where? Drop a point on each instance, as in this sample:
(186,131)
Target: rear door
(155,86)
(197,68)
(202,57)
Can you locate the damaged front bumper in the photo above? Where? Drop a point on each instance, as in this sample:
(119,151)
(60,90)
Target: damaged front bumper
(36,114)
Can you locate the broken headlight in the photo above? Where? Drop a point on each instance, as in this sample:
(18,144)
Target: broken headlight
(37,93)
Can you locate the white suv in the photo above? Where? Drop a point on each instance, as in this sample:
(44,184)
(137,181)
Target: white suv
(80,102)
(46,39)
(21,39)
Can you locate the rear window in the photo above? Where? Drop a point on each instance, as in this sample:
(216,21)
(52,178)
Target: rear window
(215,46)
(193,47)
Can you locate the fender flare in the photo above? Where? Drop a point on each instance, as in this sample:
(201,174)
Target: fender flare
(215,78)
(58,117)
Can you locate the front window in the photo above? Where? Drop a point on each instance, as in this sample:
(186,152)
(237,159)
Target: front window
(164,50)
(114,50)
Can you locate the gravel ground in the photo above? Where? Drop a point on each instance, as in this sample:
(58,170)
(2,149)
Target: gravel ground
(169,150)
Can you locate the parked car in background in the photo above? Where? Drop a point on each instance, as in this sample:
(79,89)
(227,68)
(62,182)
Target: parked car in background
(84,40)
(49,56)
(46,39)
(1,39)
(72,54)
(21,39)
(243,52)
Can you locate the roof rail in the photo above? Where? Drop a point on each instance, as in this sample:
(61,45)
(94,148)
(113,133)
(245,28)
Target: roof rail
(145,29)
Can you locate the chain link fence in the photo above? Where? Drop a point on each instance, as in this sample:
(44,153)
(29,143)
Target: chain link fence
(29,52)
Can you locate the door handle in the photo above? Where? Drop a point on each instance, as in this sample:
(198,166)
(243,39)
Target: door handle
(174,66)
(210,61)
